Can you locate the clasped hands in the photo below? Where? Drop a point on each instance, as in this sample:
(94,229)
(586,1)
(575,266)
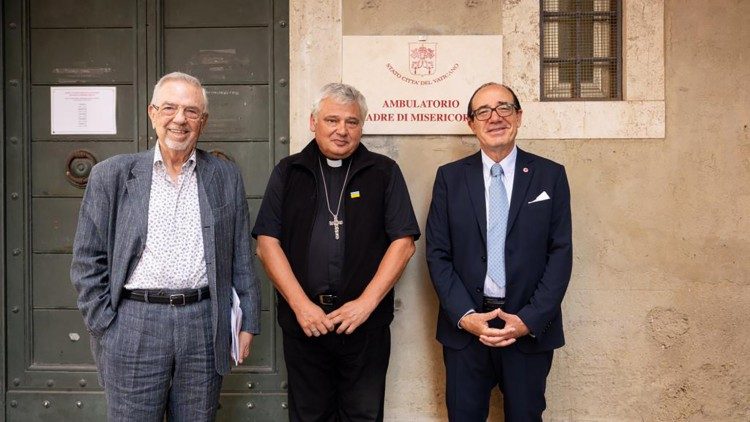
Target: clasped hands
(478,324)
(315,322)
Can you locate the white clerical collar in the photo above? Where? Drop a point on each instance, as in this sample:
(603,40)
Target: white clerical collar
(334,163)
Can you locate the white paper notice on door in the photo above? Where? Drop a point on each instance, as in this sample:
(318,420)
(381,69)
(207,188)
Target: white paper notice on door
(83,110)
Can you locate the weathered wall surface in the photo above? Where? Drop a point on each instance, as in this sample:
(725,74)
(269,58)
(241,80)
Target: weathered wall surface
(657,313)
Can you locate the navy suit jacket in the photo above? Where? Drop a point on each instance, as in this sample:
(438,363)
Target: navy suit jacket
(111,236)
(538,248)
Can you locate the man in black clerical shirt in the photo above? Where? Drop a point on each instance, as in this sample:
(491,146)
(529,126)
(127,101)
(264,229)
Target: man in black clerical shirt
(335,230)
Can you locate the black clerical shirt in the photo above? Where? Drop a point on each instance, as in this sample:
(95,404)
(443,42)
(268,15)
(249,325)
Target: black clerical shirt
(326,254)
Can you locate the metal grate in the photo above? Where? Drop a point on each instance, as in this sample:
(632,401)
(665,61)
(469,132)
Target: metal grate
(581,46)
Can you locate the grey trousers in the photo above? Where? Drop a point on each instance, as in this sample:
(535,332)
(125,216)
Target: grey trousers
(159,358)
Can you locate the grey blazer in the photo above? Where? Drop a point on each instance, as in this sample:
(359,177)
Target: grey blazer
(111,236)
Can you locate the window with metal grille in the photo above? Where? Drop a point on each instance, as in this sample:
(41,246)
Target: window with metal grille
(581,46)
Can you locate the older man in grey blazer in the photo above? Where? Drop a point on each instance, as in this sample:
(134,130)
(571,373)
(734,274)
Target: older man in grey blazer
(162,238)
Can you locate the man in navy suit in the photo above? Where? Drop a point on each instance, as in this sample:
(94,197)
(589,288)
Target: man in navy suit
(499,251)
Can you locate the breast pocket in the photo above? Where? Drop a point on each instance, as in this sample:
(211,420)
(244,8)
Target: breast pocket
(539,211)
(538,204)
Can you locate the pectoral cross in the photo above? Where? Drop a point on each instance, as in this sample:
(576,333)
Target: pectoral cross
(336,223)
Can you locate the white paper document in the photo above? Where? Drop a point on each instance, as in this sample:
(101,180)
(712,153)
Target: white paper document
(236,326)
(83,110)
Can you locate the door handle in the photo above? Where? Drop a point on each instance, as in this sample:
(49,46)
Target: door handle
(79,165)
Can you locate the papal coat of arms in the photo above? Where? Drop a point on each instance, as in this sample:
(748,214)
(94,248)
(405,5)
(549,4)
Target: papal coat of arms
(422,58)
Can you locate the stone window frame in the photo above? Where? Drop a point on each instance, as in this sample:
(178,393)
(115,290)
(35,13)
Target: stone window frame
(641,113)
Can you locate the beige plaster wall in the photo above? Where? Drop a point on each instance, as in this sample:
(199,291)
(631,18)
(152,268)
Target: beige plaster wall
(657,310)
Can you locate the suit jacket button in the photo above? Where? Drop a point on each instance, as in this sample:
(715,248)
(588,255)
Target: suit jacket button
(478,290)
(484,259)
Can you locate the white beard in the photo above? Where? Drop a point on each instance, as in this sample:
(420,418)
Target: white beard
(174,145)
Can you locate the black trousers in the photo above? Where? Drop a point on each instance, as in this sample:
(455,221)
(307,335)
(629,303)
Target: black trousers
(337,377)
(472,373)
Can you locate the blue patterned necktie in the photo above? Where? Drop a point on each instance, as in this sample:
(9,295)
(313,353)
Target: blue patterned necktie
(498,221)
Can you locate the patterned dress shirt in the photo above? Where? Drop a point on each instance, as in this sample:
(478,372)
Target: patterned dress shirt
(173,257)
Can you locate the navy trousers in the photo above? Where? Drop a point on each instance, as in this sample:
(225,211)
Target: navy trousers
(472,373)
(158,359)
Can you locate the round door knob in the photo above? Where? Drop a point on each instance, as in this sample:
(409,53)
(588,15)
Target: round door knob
(79,165)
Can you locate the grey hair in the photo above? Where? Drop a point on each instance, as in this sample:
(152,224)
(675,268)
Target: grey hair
(184,77)
(343,94)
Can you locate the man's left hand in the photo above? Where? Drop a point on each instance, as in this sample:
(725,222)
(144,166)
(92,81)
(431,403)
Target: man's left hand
(519,329)
(246,340)
(351,315)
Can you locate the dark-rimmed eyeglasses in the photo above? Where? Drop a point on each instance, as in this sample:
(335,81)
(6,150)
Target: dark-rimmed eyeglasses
(170,110)
(502,110)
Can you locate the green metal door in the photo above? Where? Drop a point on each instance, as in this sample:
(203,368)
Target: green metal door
(239,49)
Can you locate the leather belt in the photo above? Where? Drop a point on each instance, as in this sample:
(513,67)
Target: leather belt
(492,303)
(166,297)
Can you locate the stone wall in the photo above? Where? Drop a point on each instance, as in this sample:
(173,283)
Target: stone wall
(656,315)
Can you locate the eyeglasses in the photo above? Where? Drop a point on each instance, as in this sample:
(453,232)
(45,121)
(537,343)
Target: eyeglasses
(502,110)
(170,110)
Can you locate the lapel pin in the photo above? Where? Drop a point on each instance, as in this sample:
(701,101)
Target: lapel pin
(525,169)
(354,194)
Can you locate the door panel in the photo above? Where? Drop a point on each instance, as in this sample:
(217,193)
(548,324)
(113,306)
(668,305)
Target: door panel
(54,224)
(82,13)
(56,406)
(66,56)
(51,287)
(219,55)
(238,48)
(125,107)
(252,159)
(59,338)
(54,159)
(226,13)
(237,113)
